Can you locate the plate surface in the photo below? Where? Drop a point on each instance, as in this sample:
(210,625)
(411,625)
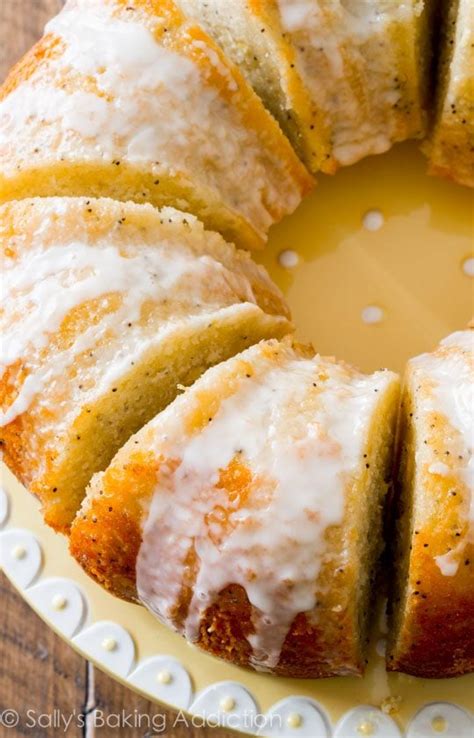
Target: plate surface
(377,265)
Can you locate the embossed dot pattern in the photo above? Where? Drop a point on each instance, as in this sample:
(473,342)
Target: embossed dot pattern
(288,259)
(372,314)
(373,220)
(468,266)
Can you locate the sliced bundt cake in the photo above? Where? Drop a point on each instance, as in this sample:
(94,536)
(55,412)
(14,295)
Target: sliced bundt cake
(247,515)
(450,146)
(344,79)
(107,308)
(133,101)
(432,609)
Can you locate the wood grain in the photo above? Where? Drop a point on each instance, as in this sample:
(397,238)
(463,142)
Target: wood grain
(21,24)
(38,671)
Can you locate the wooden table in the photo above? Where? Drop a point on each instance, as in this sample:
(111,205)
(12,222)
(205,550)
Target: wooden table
(38,671)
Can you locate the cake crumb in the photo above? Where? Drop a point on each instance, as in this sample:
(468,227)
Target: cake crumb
(391,705)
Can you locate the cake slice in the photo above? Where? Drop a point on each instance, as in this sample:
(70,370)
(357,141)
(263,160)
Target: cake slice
(432,608)
(344,79)
(248,515)
(450,145)
(107,308)
(131,100)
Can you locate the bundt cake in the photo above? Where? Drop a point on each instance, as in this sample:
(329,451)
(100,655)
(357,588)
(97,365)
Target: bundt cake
(107,308)
(247,515)
(432,610)
(130,100)
(450,146)
(246,512)
(344,79)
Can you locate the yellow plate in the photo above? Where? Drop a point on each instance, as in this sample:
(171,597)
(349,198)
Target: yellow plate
(372,297)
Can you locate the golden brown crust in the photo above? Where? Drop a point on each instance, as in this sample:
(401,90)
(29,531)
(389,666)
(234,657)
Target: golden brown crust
(385,72)
(106,535)
(46,49)
(309,651)
(129,482)
(44,155)
(450,144)
(437,640)
(105,539)
(432,611)
(54,457)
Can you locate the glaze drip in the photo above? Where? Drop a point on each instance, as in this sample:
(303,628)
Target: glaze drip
(450,370)
(116,92)
(49,281)
(347,58)
(250,497)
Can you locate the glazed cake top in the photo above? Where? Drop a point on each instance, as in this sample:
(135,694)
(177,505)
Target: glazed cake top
(255,461)
(444,381)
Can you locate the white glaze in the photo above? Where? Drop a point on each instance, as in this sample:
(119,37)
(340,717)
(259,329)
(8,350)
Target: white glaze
(274,544)
(324,36)
(153,107)
(448,563)
(460,73)
(44,284)
(450,372)
(439,468)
